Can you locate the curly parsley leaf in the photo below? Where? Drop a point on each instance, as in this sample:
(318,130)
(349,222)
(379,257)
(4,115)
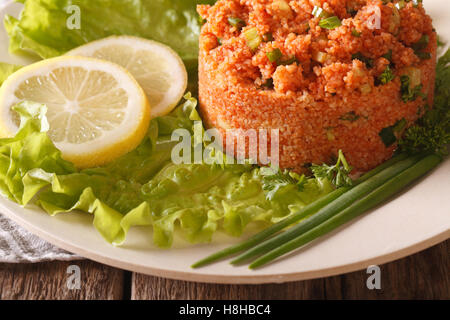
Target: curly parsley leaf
(274,182)
(432,131)
(338,174)
(427,137)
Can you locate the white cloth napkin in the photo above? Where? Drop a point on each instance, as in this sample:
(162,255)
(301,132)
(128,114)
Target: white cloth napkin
(19,246)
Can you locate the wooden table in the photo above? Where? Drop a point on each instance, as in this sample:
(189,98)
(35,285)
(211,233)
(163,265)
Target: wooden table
(421,276)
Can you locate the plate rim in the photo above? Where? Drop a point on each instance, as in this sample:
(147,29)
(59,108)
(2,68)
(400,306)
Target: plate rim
(226,279)
(213,278)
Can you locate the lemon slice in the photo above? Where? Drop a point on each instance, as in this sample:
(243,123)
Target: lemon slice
(158,69)
(96,109)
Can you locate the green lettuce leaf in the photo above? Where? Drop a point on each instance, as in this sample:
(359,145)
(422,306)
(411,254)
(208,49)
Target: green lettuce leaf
(6,70)
(29,149)
(42,28)
(144,187)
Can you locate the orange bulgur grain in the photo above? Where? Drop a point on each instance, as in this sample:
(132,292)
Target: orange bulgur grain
(324,80)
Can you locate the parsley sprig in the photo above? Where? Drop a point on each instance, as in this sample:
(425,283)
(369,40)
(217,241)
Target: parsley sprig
(432,132)
(277,181)
(338,174)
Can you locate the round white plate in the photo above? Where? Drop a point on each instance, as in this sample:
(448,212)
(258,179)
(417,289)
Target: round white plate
(413,221)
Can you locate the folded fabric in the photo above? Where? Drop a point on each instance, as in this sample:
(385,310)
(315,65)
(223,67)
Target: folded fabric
(19,246)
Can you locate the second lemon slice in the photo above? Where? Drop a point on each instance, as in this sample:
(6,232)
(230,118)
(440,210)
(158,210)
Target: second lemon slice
(158,69)
(96,109)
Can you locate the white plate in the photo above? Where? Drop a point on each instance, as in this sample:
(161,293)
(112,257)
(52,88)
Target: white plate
(415,220)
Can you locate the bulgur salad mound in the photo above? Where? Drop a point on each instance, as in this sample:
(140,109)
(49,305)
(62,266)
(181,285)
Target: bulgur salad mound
(331,75)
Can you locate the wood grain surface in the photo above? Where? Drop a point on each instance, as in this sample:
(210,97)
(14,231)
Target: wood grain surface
(48,280)
(421,276)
